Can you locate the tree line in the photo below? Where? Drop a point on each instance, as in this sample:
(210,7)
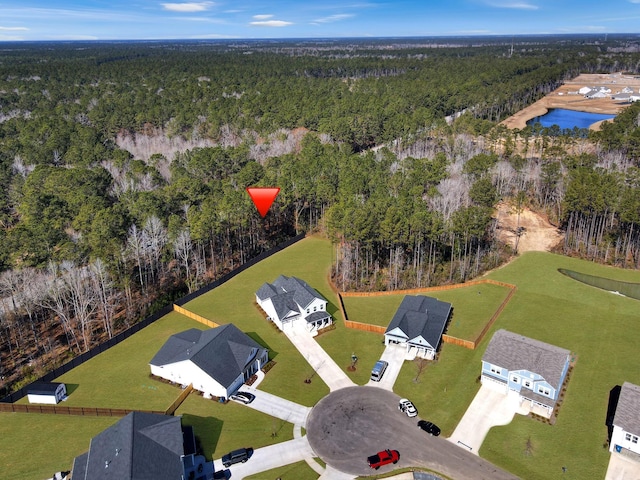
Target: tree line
(93,237)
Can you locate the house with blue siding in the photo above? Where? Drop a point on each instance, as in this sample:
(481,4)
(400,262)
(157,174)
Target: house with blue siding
(533,370)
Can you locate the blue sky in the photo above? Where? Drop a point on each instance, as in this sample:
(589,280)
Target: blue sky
(222,19)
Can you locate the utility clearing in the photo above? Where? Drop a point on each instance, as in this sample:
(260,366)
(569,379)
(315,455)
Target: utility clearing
(536,232)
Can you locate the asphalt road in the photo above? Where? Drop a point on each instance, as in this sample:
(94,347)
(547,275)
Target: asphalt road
(350,424)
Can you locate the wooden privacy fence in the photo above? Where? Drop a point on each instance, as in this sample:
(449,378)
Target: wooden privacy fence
(178,401)
(61,410)
(412,291)
(367,327)
(445,338)
(194,316)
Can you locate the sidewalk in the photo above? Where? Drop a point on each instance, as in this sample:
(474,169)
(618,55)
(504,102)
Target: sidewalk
(320,361)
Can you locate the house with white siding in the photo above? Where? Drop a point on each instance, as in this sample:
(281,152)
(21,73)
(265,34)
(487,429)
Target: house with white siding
(215,361)
(290,300)
(535,371)
(626,421)
(419,323)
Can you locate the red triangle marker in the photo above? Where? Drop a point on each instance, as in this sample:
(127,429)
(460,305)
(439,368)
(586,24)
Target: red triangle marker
(263,198)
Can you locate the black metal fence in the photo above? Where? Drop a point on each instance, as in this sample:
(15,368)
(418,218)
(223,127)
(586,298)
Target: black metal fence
(80,359)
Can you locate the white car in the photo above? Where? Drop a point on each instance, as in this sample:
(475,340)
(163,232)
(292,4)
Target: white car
(407,407)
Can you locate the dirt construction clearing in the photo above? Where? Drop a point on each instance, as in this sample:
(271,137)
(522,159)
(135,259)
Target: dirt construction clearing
(567,97)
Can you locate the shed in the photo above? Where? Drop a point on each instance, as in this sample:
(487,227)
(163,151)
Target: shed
(46,392)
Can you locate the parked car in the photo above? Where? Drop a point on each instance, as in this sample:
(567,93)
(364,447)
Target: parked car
(244,397)
(407,407)
(429,427)
(378,370)
(237,456)
(384,457)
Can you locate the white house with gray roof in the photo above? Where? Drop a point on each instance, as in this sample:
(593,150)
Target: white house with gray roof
(626,421)
(290,300)
(534,370)
(215,361)
(418,323)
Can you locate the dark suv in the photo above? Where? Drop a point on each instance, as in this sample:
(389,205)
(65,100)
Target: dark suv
(237,456)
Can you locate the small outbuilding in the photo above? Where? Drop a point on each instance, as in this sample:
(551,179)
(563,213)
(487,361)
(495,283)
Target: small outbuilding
(46,392)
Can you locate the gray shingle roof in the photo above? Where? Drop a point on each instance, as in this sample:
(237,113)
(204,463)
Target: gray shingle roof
(43,388)
(517,352)
(421,315)
(316,316)
(627,414)
(221,352)
(288,294)
(141,446)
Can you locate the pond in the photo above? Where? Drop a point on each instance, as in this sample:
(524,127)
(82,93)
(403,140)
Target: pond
(568,119)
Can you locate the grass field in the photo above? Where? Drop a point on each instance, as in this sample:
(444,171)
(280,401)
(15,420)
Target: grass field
(221,428)
(295,471)
(119,377)
(473,306)
(601,329)
(34,446)
(234,302)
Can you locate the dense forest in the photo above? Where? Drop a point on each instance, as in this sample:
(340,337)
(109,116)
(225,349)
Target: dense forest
(123,168)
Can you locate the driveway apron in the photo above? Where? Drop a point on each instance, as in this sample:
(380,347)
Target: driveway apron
(488,409)
(278,407)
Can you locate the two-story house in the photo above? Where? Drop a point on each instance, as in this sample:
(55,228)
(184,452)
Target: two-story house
(529,368)
(626,421)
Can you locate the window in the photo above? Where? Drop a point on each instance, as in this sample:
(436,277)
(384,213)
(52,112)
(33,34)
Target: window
(527,383)
(496,370)
(634,439)
(307,310)
(627,437)
(515,379)
(315,308)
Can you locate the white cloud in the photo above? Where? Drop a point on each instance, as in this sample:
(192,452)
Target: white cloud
(188,6)
(271,23)
(262,17)
(513,5)
(13,29)
(334,18)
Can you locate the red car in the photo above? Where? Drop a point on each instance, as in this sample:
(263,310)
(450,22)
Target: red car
(384,457)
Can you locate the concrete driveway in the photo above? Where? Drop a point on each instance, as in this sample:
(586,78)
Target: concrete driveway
(278,407)
(394,355)
(270,457)
(320,361)
(488,409)
(622,468)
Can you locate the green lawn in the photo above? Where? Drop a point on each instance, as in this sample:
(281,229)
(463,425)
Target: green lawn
(234,302)
(119,377)
(602,330)
(295,471)
(342,342)
(221,428)
(473,306)
(34,446)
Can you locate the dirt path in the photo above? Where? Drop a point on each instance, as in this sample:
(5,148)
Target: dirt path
(537,233)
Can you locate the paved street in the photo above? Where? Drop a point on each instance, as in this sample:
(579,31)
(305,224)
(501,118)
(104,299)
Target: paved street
(278,407)
(350,424)
(321,362)
(270,457)
(488,409)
